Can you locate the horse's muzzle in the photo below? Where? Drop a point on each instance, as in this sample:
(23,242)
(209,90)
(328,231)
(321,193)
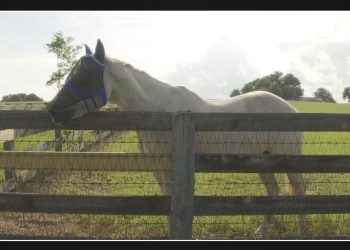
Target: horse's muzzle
(62,108)
(60,118)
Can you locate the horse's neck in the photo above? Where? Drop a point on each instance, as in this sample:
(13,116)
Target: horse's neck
(135,90)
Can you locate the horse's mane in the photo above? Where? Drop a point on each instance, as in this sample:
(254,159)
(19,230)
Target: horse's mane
(148,85)
(115,61)
(139,74)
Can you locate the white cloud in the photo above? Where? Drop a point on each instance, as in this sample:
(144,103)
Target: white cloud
(320,64)
(222,68)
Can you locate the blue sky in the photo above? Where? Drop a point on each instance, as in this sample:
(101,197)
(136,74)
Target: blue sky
(210,52)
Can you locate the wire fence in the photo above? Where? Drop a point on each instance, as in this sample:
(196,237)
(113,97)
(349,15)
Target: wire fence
(141,179)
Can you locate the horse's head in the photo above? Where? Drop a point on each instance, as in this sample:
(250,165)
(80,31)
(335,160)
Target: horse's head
(84,89)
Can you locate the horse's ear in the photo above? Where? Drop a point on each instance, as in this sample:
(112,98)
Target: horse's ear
(100,52)
(87,50)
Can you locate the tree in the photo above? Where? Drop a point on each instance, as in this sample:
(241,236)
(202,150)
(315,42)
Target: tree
(324,94)
(288,86)
(346,94)
(66,56)
(21,97)
(235,92)
(291,87)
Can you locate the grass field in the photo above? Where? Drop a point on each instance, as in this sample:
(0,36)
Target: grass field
(125,184)
(321,107)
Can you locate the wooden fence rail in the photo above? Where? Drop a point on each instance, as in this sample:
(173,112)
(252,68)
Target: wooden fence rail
(13,179)
(94,161)
(147,162)
(122,120)
(8,136)
(183,162)
(158,205)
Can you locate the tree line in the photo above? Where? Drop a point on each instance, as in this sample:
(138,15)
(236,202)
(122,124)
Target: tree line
(287,87)
(21,97)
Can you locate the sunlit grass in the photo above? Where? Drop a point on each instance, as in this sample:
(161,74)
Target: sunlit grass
(321,107)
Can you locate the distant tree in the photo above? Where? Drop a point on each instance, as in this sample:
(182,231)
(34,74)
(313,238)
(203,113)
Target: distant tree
(235,92)
(288,86)
(346,94)
(21,97)
(291,87)
(249,87)
(32,97)
(66,55)
(324,94)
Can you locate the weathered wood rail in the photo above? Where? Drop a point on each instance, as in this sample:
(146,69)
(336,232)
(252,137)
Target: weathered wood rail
(183,162)
(146,162)
(118,120)
(8,136)
(158,205)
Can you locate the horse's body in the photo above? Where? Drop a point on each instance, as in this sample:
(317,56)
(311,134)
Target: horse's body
(135,90)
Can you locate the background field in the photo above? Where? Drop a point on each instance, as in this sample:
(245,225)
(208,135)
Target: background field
(125,184)
(321,107)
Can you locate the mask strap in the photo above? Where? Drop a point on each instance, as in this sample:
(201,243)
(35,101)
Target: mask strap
(101,93)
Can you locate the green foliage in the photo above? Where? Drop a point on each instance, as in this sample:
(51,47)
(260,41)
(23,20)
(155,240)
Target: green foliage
(66,54)
(21,97)
(235,92)
(346,94)
(286,86)
(324,94)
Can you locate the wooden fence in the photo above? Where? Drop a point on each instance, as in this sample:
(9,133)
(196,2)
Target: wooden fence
(183,162)
(8,137)
(13,179)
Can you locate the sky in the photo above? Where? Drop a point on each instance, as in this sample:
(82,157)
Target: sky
(209,52)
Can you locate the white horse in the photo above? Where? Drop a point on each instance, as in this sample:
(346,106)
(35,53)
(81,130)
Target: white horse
(97,79)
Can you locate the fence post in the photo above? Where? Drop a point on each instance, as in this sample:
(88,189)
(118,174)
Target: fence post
(9,146)
(182,176)
(58,140)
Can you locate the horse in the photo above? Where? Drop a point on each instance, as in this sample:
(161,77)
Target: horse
(97,78)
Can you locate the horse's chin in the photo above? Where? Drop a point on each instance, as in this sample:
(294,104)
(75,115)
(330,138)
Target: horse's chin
(58,124)
(60,118)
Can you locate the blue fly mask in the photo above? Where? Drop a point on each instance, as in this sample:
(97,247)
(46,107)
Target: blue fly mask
(84,89)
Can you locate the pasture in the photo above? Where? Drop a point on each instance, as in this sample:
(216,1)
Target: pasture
(214,227)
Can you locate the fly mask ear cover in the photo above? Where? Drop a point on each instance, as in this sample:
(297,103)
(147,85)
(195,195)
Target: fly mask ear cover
(88,87)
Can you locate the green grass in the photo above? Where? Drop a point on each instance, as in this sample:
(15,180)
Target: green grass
(321,107)
(129,184)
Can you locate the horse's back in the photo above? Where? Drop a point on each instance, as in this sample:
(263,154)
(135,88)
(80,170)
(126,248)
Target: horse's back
(252,102)
(235,142)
